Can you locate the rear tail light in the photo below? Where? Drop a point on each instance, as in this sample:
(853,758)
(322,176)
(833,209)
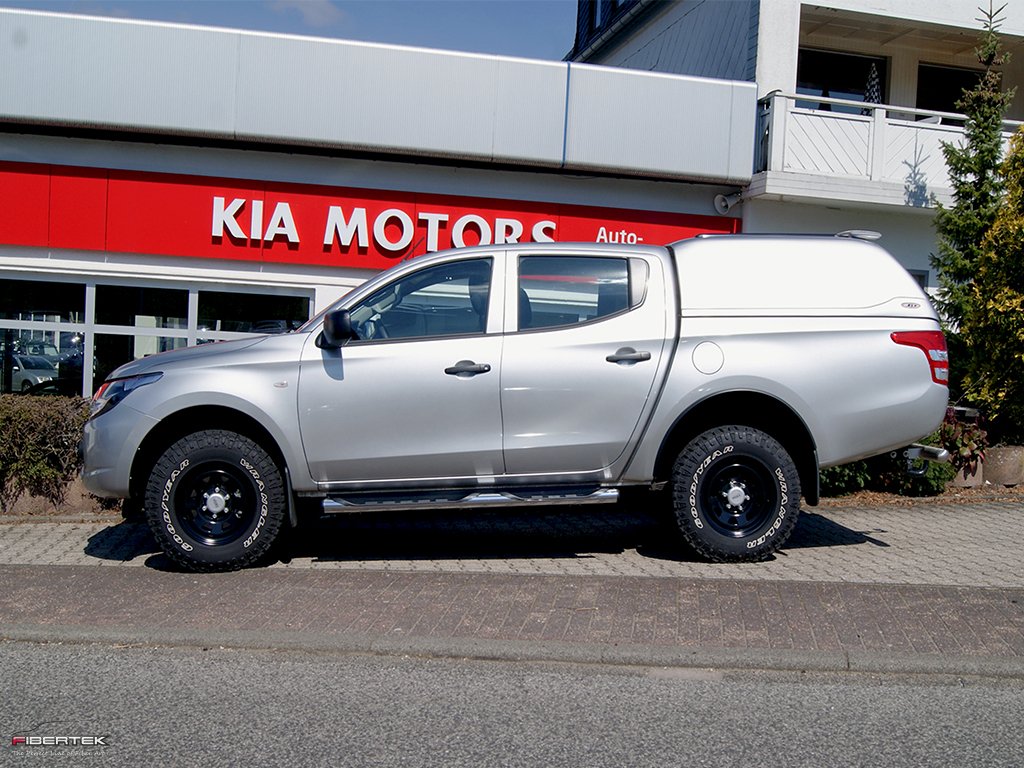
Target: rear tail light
(933,344)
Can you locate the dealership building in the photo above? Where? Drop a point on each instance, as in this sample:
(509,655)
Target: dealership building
(164,185)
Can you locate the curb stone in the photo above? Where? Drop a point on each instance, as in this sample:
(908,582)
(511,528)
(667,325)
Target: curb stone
(476,649)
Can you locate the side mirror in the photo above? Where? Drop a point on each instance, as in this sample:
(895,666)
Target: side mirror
(337,330)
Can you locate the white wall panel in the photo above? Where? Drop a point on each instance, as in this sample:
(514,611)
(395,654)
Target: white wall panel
(384,98)
(909,236)
(954,13)
(58,69)
(68,70)
(660,124)
(530,110)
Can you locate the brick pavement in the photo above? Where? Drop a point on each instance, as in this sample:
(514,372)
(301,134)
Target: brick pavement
(955,626)
(874,587)
(938,544)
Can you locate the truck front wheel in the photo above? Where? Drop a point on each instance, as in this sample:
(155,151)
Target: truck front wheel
(215,501)
(736,494)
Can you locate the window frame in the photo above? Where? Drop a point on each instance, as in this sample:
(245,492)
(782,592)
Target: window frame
(490,313)
(813,100)
(928,65)
(636,287)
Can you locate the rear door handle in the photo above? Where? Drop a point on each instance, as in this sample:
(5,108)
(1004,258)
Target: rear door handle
(466,368)
(628,355)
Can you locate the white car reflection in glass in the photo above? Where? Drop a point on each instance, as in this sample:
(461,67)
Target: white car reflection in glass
(29,370)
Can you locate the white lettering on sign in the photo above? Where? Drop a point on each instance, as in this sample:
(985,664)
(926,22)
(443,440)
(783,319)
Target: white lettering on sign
(470,219)
(344,229)
(622,236)
(380,233)
(282,223)
(544,232)
(393,229)
(256,220)
(507,230)
(224,216)
(434,221)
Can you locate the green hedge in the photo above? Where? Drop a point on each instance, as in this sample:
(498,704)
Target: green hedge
(39,439)
(887,474)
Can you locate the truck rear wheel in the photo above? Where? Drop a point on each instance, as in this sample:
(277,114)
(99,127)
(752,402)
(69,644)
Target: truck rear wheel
(736,494)
(215,501)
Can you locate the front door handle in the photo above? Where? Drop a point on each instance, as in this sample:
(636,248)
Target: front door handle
(466,368)
(628,355)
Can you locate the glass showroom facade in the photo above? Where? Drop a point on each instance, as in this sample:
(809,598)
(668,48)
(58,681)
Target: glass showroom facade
(50,326)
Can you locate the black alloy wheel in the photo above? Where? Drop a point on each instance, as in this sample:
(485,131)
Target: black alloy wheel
(216,503)
(739,496)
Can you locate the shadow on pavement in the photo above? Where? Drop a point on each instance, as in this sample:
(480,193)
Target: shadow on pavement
(123,542)
(480,534)
(814,530)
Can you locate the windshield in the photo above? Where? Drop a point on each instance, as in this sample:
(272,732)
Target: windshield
(45,350)
(35,363)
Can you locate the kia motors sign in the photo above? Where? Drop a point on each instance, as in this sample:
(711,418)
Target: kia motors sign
(205,217)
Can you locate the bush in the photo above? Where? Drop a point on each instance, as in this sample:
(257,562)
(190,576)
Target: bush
(845,479)
(39,439)
(965,440)
(887,474)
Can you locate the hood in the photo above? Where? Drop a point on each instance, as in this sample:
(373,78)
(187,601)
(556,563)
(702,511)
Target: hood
(187,356)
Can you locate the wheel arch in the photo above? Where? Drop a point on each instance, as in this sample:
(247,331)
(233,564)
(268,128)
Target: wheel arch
(193,419)
(753,409)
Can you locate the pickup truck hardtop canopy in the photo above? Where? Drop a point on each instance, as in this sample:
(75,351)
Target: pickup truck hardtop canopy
(784,274)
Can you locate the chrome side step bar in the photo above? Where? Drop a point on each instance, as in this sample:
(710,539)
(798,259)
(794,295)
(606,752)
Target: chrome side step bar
(445,500)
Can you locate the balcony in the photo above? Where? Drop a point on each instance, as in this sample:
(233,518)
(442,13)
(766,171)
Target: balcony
(878,155)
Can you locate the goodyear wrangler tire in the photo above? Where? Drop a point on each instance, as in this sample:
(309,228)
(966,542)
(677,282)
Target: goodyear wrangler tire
(736,494)
(215,501)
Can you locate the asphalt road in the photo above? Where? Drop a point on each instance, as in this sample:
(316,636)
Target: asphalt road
(186,707)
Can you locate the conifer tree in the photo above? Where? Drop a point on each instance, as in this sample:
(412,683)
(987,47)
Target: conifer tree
(992,328)
(973,167)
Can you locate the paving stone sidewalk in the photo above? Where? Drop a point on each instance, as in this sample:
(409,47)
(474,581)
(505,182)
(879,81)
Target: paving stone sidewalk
(955,544)
(937,589)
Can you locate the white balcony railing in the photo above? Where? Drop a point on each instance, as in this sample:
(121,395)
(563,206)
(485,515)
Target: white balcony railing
(890,145)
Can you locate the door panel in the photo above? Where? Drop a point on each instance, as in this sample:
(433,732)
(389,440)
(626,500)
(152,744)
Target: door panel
(567,407)
(389,410)
(416,395)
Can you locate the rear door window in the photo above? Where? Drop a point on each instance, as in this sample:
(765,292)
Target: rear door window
(557,291)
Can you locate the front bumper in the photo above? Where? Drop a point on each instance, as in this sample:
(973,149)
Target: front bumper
(109,444)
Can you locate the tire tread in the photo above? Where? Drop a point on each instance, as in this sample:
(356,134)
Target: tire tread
(685,466)
(218,439)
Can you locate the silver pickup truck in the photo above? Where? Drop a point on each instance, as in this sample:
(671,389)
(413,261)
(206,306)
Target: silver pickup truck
(725,370)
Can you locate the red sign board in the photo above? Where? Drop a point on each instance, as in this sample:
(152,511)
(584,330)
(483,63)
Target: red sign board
(196,216)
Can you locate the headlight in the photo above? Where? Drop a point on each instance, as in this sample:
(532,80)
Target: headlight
(113,391)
